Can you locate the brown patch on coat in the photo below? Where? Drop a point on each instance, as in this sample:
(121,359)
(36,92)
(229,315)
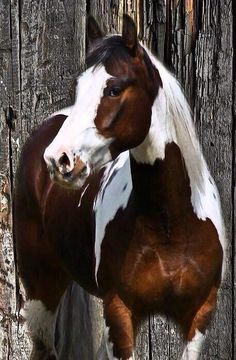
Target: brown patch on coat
(172,258)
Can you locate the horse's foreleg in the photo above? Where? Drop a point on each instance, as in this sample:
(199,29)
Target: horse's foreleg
(41,323)
(45,282)
(119,333)
(195,336)
(40,312)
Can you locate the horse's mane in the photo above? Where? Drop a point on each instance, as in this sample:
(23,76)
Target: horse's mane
(172,120)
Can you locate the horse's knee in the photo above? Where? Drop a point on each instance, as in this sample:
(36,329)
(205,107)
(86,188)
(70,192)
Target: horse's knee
(203,315)
(115,350)
(195,335)
(41,324)
(119,333)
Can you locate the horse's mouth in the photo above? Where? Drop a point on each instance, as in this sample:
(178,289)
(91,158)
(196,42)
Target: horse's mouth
(69,180)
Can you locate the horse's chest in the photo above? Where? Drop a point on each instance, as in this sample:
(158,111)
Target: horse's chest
(156,266)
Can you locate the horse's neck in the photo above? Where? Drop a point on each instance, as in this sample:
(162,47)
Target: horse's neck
(163,189)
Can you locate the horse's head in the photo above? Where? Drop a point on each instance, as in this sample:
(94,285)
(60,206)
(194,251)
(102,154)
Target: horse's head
(112,111)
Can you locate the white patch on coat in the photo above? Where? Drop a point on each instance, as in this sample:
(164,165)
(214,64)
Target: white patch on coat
(109,347)
(78,135)
(41,323)
(82,194)
(192,350)
(114,194)
(172,122)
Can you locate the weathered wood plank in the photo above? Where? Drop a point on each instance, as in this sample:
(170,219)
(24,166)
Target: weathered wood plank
(79,326)
(153,25)
(42,46)
(234,180)
(213,114)
(199,57)
(51,52)
(143,341)
(13,343)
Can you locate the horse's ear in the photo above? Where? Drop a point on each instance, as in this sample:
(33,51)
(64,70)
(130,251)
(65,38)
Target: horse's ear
(129,32)
(94,31)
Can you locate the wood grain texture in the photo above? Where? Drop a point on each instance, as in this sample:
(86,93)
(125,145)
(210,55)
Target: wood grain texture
(13,342)
(213,115)
(200,54)
(42,48)
(79,328)
(234,180)
(52,50)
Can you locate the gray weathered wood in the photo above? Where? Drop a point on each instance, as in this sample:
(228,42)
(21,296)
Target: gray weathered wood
(213,114)
(200,53)
(13,343)
(234,179)
(42,48)
(42,45)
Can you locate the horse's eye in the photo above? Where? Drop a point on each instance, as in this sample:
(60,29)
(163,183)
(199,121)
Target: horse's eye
(115,91)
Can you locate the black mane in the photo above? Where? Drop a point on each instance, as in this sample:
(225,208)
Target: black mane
(112,49)
(108,49)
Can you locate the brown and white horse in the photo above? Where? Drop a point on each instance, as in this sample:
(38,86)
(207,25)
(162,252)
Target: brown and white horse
(137,221)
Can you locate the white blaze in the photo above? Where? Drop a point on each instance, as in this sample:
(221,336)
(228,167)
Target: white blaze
(78,133)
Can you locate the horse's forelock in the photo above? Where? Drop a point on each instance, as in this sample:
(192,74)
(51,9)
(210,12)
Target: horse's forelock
(107,50)
(111,50)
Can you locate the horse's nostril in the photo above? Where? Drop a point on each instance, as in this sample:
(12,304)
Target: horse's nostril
(65,164)
(64,160)
(83,169)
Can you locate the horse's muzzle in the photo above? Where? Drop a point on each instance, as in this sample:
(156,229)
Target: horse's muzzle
(66,169)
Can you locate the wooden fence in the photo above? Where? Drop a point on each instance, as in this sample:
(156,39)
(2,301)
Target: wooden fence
(42,47)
